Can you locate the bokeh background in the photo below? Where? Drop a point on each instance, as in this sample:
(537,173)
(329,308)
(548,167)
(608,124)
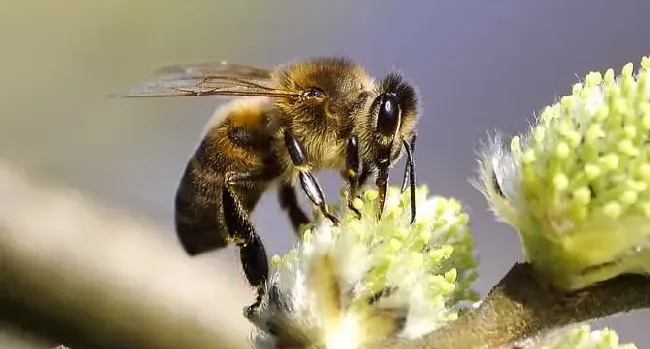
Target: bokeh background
(479,66)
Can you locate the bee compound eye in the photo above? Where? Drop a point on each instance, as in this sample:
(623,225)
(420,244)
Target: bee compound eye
(388,115)
(313,92)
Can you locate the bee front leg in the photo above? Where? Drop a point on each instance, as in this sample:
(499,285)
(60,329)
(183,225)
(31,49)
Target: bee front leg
(409,147)
(289,202)
(309,184)
(351,173)
(252,254)
(409,173)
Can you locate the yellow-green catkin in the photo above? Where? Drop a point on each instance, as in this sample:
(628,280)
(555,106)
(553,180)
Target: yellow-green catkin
(582,337)
(430,265)
(576,185)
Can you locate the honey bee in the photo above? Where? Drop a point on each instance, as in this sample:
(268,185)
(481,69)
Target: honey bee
(296,119)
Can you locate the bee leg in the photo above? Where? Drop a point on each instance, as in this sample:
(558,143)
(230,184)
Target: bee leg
(409,172)
(251,248)
(382,183)
(351,173)
(363,178)
(409,160)
(309,184)
(289,202)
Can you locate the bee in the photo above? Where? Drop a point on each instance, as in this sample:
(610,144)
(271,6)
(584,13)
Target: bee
(290,122)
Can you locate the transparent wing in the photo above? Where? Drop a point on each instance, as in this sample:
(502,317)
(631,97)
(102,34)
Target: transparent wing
(210,79)
(217,69)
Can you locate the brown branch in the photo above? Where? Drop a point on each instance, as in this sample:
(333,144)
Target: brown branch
(86,277)
(522,305)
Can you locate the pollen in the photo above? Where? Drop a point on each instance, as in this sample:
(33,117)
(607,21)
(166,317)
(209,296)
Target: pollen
(593,79)
(275,260)
(594,133)
(451,275)
(644,171)
(371,195)
(562,150)
(560,181)
(628,197)
(609,161)
(582,195)
(626,147)
(592,171)
(345,335)
(357,203)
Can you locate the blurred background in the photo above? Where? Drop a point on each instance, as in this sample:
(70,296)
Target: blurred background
(478,67)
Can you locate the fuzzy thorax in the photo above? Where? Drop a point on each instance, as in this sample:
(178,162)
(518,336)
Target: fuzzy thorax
(576,185)
(356,284)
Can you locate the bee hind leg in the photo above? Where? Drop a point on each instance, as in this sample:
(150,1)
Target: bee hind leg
(309,184)
(289,202)
(251,248)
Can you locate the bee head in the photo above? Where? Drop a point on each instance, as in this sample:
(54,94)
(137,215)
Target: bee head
(389,127)
(392,119)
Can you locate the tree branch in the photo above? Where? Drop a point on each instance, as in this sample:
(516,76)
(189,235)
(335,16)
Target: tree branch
(88,278)
(522,305)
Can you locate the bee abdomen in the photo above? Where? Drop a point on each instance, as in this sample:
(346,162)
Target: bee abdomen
(198,221)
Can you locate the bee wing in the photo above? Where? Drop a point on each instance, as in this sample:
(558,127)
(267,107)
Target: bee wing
(210,79)
(218,69)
